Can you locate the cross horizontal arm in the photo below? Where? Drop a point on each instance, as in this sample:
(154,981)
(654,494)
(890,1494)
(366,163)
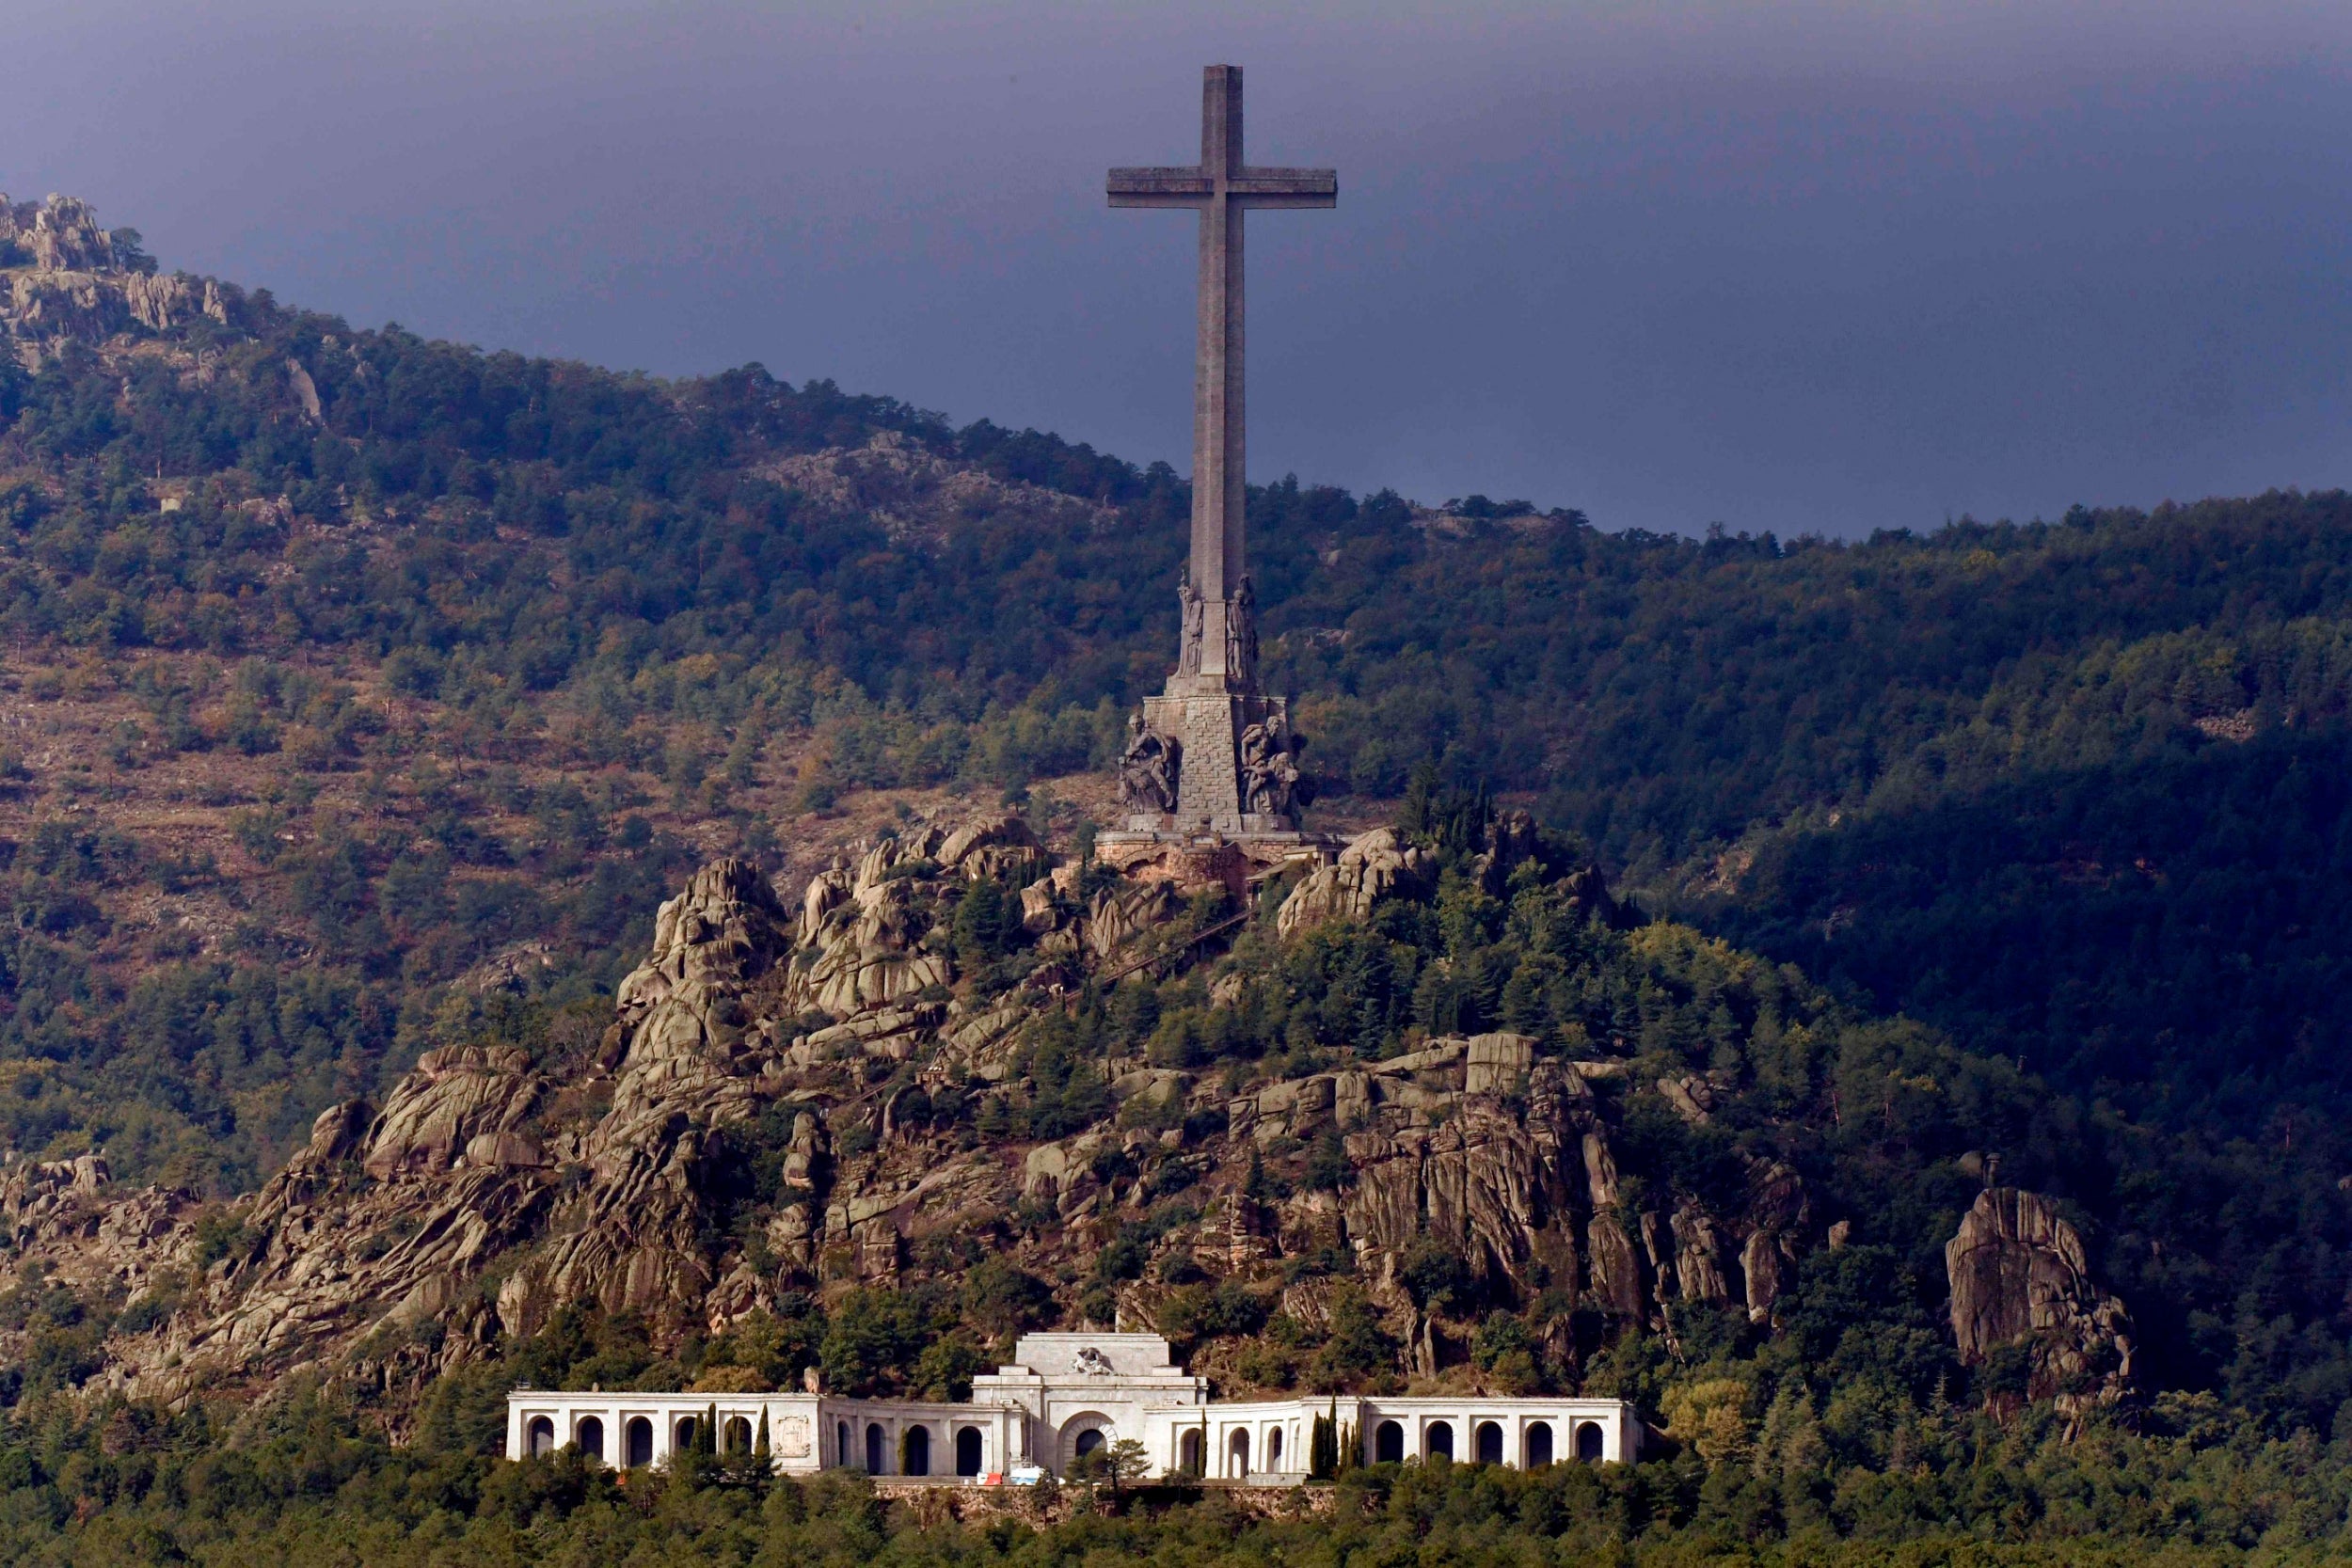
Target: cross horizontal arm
(1160,187)
(1251,187)
(1301,182)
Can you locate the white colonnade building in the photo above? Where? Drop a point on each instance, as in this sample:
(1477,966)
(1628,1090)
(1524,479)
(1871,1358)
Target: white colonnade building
(1066,1395)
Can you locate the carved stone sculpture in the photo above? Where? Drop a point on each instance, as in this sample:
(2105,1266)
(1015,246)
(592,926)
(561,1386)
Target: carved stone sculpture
(1271,784)
(1241,637)
(1149,770)
(1194,614)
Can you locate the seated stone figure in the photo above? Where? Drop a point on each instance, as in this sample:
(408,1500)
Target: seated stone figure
(1271,782)
(1149,770)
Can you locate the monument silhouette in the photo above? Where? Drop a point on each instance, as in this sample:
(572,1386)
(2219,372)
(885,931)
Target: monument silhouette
(1212,754)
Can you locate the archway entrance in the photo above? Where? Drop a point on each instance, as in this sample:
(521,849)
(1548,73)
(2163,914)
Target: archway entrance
(1538,1445)
(874,1448)
(918,1454)
(739,1434)
(841,1444)
(682,1436)
(1590,1443)
(1237,1456)
(1438,1440)
(1489,1443)
(1080,1434)
(539,1440)
(1274,1450)
(1188,1453)
(1388,1444)
(968,1442)
(589,1436)
(637,1441)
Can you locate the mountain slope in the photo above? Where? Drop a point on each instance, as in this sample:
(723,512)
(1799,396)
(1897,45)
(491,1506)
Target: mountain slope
(363,695)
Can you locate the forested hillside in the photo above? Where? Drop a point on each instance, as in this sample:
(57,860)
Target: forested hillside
(362,695)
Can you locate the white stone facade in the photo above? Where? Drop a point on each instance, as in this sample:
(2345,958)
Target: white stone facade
(1066,1395)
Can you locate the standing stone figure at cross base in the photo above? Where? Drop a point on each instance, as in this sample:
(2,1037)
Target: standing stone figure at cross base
(1226,748)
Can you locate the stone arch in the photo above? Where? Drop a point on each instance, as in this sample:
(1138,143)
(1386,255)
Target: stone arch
(739,1435)
(841,1444)
(1489,1441)
(1388,1444)
(588,1436)
(1075,1431)
(1437,1439)
(682,1435)
(637,1441)
(1188,1451)
(1592,1444)
(1537,1445)
(1274,1450)
(874,1448)
(969,1447)
(916,1458)
(1237,1453)
(539,1437)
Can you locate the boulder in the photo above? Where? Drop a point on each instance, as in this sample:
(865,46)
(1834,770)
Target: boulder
(999,846)
(726,930)
(454,1096)
(1118,916)
(2018,1273)
(1374,866)
(1497,1063)
(1779,1214)
(1480,1182)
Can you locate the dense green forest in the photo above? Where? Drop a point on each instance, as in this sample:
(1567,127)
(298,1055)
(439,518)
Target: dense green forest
(475,659)
(301,1488)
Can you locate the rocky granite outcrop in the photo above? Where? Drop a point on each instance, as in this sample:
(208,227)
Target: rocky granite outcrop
(1376,865)
(691,1065)
(911,492)
(88,1233)
(63,279)
(816,1040)
(2019,1276)
(862,929)
(58,235)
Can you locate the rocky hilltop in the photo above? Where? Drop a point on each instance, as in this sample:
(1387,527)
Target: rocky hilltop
(803,1097)
(72,281)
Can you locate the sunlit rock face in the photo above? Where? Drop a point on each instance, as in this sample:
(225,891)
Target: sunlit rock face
(2019,1276)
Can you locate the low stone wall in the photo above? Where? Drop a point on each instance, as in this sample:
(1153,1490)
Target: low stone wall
(937,1501)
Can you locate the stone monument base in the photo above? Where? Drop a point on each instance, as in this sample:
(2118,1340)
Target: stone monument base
(1206,721)
(1196,861)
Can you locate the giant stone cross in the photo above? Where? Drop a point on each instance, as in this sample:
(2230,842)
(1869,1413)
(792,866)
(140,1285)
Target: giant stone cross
(1214,752)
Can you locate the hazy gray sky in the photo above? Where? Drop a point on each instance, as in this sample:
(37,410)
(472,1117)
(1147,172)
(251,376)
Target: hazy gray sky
(1795,266)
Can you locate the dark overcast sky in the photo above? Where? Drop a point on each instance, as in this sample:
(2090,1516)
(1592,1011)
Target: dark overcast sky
(1788,266)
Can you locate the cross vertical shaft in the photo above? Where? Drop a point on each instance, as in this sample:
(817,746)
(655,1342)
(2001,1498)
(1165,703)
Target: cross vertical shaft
(1222,187)
(1219,439)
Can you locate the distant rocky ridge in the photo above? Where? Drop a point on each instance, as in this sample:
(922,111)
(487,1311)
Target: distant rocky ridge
(489,1189)
(916,494)
(69,281)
